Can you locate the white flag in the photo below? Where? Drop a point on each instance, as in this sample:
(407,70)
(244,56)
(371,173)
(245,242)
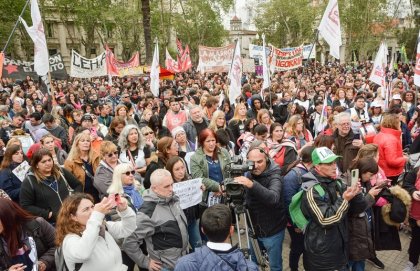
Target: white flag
(37,34)
(417,67)
(235,75)
(378,72)
(154,72)
(266,72)
(330,29)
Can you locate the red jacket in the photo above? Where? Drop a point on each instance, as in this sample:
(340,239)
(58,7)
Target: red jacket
(391,158)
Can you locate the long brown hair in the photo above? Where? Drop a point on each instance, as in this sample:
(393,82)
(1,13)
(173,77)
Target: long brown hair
(170,166)
(163,145)
(7,159)
(12,218)
(36,158)
(65,223)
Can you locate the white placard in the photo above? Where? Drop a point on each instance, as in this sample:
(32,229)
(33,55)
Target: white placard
(21,170)
(82,67)
(189,192)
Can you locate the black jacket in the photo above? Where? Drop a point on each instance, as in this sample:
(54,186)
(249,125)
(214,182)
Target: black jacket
(252,112)
(43,234)
(280,112)
(265,202)
(39,199)
(326,233)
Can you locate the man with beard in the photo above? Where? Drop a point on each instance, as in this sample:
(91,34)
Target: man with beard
(195,124)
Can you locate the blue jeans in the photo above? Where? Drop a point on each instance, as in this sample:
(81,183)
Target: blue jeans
(357,265)
(274,246)
(194,235)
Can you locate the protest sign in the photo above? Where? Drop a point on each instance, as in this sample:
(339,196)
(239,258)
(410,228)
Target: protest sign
(21,170)
(255,51)
(17,69)
(215,59)
(286,59)
(121,69)
(248,65)
(189,192)
(307,51)
(82,67)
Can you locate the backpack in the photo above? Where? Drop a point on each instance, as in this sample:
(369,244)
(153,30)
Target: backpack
(296,214)
(60,263)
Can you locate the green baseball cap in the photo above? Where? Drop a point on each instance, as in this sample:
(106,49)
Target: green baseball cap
(323,155)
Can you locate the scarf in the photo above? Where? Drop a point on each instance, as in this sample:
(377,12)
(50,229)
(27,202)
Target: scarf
(275,147)
(135,196)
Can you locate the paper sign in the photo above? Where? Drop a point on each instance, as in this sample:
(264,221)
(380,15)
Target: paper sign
(213,199)
(189,192)
(21,170)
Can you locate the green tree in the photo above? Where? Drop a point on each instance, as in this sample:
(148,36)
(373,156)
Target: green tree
(408,36)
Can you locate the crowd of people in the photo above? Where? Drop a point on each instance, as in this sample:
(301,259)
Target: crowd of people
(87,173)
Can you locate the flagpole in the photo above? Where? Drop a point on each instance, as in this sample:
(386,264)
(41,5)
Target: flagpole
(14,28)
(310,52)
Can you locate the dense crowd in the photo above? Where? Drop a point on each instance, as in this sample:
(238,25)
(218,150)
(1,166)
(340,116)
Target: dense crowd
(87,173)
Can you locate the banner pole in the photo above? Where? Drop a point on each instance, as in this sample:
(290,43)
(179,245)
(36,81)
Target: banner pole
(415,97)
(14,28)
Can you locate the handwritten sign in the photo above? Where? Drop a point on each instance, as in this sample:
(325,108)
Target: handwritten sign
(21,170)
(189,192)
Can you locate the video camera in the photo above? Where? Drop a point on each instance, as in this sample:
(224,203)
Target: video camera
(234,191)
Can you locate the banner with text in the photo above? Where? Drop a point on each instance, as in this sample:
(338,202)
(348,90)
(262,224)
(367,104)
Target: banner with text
(215,59)
(255,51)
(82,67)
(189,192)
(121,69)
(285,59)
(17,69)
(307,51)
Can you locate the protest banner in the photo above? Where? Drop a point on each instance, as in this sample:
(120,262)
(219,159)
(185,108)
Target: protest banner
(285,59)
(82,67)
(215,59)
(189,192)
(17,69)
(120,68)
(255,51)
(248,65)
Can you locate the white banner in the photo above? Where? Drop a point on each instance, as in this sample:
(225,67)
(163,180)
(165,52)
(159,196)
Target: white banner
(378,72)
(189,192)
(307,50)
(82,67)
(255,51)
(215,59)
(154,72)
(330,29)
(266,72)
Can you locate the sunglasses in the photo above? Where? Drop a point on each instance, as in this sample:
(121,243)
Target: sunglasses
(130,172)
(148,133)
(112,154)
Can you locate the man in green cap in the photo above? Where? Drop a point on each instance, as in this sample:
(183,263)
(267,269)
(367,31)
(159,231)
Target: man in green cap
(325,203)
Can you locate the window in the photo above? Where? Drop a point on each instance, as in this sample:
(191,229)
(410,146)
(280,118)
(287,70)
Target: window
(50,30)
(52,51)
(93,51)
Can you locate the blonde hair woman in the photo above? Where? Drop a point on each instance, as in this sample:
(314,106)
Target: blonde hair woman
(82,162)
(264,118)
(124,184)
(297,132)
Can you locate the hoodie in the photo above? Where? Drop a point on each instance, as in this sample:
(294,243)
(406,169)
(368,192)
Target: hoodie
(206,259)
(252,112)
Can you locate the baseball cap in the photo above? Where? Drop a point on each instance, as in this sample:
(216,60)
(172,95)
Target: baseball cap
(323,155)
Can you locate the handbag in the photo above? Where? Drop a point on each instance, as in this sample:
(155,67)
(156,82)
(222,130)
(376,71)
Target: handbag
(71,190)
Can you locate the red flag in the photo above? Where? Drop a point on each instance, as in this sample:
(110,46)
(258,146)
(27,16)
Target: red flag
(171,64)
(185,63)
(179,47)
(1,64)
(111,69)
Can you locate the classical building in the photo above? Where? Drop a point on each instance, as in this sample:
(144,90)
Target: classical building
(244,36)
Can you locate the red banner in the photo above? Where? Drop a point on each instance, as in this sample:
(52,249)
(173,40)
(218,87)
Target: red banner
(215,59)
(121,69)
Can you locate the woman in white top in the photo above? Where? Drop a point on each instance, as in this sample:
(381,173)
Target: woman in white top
(84,237)
(302,99)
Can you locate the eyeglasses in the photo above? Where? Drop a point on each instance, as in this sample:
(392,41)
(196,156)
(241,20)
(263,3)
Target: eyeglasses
(345,124)
(112,154)
(130,172)
(148,133)
(125,97)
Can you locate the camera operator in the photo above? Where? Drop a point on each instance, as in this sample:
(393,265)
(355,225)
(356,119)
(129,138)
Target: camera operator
(265,204)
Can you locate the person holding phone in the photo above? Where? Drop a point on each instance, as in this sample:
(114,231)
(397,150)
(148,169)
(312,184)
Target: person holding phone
(360,216)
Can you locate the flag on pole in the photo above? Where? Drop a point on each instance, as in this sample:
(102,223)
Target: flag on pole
(186,63)
(154,72)
(37,34)
(266,72)
(378,72)
(404,58)
(235,75)
(329,28)
(417,66)
(170,63)
(179,47)
(323,121)
(1,64)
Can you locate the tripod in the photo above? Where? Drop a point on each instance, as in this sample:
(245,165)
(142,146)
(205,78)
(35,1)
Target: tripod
(241,211)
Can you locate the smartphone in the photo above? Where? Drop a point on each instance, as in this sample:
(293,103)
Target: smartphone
(354,177)
(112,198)
(356,136)
(117,198)
(382,185)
